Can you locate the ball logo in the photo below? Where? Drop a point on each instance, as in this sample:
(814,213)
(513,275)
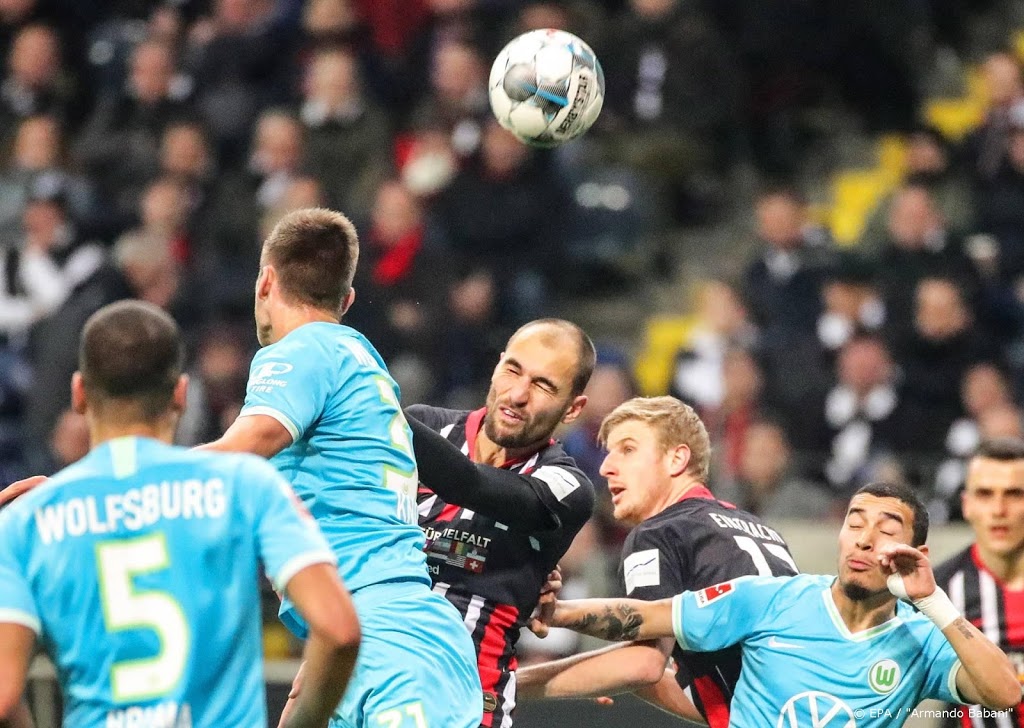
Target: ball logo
(815,709)
(272,369)
(883,676)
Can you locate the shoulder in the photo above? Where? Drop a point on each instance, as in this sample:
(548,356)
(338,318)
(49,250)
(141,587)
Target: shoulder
(436,418)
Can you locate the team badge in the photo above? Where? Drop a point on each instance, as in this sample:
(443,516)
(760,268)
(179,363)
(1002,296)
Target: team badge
(884,676)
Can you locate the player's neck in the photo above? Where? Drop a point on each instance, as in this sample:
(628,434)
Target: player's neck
(290,318)
(1008,569)
(100,432)
(678,490)
(859,615)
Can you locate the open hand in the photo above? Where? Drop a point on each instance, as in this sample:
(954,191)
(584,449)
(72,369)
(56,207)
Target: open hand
(911,576)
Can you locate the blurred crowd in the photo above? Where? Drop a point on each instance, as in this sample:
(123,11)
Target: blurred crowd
(147,147)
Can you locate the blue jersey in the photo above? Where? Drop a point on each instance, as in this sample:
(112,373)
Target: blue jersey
(802,667)
(138,569)
(351,459)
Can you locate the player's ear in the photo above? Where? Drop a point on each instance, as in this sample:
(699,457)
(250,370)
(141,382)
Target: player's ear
(578,403)
(679,459)
(349,299)
(78,401)
(180,394)
(265,281)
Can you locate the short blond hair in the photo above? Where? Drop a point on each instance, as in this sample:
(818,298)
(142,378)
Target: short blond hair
(675,422)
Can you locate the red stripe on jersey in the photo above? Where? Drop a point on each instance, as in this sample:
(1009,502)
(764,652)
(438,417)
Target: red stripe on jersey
(716,709)
(494,645)
(1013,603)
(700,491)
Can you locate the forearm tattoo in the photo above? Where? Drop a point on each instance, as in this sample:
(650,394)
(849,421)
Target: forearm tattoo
(618,622)
(964,627)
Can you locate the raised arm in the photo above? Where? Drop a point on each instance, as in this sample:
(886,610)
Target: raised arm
(618,620)
(986,675)
(516,500)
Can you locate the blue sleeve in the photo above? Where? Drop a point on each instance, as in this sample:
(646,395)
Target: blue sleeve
(722,615)
(17,605)
(287,537)
(290,381)
(943,666)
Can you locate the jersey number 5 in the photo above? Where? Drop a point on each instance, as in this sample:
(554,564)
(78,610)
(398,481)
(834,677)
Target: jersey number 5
(760,562)
(125,608)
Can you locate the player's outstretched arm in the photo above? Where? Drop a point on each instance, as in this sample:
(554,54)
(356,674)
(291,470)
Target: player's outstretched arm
(985,676)
(611,670)
(332,647)
(666,695)
(616,619)
(637,667)
(499,494)
(257,434)
(16,645)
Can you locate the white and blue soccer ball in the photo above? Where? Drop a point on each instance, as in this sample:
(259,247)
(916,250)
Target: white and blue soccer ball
(546,87)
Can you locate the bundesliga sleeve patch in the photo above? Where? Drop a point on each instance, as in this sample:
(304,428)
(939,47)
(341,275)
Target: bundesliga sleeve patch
(713,593)
(642,568)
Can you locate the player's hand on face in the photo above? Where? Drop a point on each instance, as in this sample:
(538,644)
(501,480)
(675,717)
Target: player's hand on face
(20,487)
(908,565)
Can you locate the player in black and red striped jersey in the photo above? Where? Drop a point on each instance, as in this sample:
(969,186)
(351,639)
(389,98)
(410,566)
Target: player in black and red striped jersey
(683,540)
(985,581)
(500,501)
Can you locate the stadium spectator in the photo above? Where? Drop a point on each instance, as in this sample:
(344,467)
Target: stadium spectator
(35,82)
(984,149)
(402,283)
(347,136)
(999,200)
(241,199)
(851,304)
(241,60)
(120,143)
(984,389)
(38,167)
(934,359)
(741,404)
(865,416)
(768,485)
(985,579)
(657,467)
(499,500)
(947,657)
(518,249)
(919,246)
(722,323)
(672,82)
(42,268)
(458,100)
(928,163)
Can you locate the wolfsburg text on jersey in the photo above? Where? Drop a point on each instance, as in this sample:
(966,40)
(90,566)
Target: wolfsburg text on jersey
(132,510)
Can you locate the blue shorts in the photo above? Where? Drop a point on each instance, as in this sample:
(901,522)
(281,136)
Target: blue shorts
(416,666)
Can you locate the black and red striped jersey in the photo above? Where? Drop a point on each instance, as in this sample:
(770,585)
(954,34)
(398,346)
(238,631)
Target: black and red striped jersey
(995,610)
(693,544)
(490,572)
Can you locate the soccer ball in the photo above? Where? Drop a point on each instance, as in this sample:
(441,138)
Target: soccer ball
(546,87)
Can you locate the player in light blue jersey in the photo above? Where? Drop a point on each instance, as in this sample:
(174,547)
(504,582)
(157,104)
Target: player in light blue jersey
(830,652)
(321,404)
(137,567)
